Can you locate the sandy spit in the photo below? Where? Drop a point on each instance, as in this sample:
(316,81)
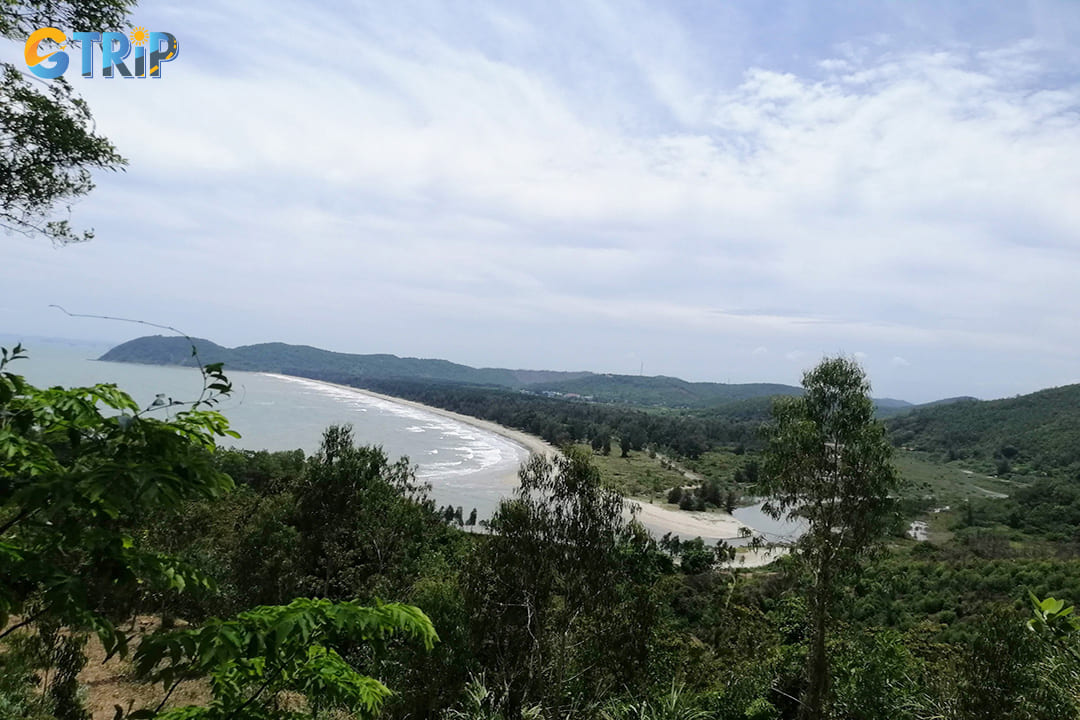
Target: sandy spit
(688,524)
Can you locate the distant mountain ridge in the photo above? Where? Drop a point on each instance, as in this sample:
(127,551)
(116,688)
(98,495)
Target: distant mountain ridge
(285,358)
(303,359)
(639,390)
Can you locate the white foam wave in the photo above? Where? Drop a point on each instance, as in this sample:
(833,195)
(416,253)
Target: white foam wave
(478,450)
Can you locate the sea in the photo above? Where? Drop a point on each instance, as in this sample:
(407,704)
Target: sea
(465,466)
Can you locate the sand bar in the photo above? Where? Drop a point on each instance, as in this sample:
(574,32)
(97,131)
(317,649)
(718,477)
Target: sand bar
(688,524)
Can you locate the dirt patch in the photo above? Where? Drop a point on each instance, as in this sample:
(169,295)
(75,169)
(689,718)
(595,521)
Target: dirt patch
(110,683)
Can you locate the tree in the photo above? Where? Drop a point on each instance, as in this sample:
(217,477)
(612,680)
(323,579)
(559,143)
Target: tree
(48,146)
(691,501)
(695,556)
(77,467)
(263,653)
(827,462)
(82,468)
(624,445)
(562,573)
(731,501)
(364,522)
(751,471)
(710,492)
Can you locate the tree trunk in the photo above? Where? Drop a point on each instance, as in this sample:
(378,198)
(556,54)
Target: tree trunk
(817,670)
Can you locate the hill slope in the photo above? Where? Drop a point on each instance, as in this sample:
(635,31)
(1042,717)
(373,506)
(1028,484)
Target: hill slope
(642,391)
(1033,433)
(281,357)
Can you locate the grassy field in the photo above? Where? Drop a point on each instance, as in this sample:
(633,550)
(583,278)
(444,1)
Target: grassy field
(638,476)
(946,484)
(718,465)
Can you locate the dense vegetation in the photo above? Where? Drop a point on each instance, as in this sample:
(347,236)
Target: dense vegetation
(1035,434)
(82,473)
(565,609)
(1048,508)
(255,585)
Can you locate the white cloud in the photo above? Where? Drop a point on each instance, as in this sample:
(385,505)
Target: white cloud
(599,168)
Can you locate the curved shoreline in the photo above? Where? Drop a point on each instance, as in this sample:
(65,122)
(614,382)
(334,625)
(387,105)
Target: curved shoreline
(529,442)
(659,520)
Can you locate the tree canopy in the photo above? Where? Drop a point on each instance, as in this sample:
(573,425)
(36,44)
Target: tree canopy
(827,464)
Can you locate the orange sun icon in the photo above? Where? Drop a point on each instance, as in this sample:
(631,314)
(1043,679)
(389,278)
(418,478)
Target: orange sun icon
(139,36)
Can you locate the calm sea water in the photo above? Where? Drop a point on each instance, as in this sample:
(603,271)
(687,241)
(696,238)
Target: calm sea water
(777,531)
(465,466)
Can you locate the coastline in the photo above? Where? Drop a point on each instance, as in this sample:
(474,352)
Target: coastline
(531,443)
(658,520)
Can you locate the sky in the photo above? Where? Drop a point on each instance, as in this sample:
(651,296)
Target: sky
(720,191)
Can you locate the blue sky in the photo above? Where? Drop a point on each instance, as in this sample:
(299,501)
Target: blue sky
(717,191)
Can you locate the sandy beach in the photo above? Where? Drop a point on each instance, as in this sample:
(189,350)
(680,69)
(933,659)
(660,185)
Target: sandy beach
(530,442)
(658,520)
(688,524)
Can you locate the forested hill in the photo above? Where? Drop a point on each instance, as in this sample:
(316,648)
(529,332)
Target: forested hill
(1030,434)
(304,359)
(656,391)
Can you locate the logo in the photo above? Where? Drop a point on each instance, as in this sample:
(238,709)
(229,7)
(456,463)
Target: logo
(151,50)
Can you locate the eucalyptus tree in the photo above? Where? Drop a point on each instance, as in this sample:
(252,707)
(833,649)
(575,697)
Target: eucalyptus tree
(561,577)
(828,464)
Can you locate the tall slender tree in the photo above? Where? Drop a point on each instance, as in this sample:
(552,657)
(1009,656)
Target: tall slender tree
(828,464)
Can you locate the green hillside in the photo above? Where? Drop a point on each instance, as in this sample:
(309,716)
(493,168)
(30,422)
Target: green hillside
(657,391)
(281,357)
(887,408)
(1027,435)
